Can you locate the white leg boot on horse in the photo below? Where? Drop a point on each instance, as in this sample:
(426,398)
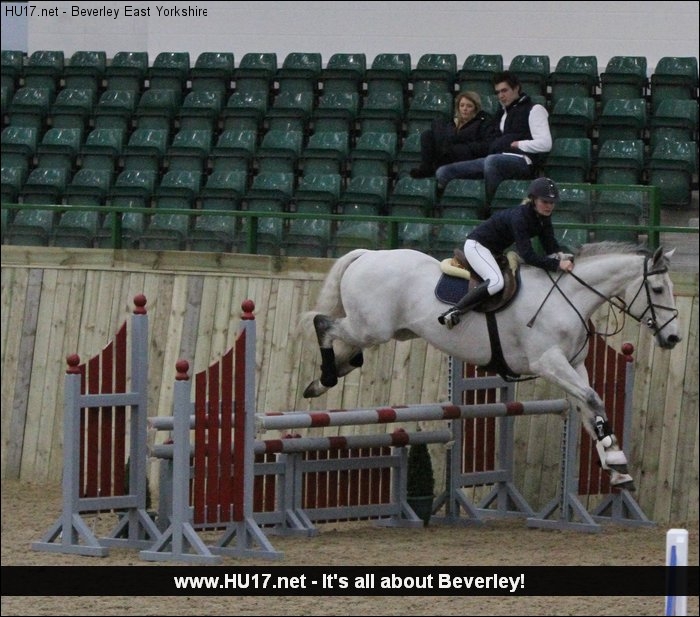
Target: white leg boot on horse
(473,298)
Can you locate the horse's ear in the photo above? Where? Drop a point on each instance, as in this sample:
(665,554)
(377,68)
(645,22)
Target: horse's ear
(658,253)
(669,254)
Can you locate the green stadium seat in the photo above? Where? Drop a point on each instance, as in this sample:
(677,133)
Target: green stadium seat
(622,119)
(411,234)
(571,238)
(574,76)
(201,110)
(413,198)
(217,232)
(245,110)
(59,148)
(509,193)
(365,189)
(12,181)
(290,111)
(389,74)
(300,72)
(426,107)
(44,69)
(569,160)
(255,75)
(213,72)
(625,77)
(30,108)
(674,77)
(102,149)
(344,74)
(336,112)
(170,71)
(167,231)
(89,187)
(128,70)
(326,153)
(674,120)
(234,151)
(620,161)
(381,111)
(189,150)
(463,198)
(572,117)
(351,234)
(279,151)
(157,109)
(115,110)
(476,74)
(19,145)
(316,195)
(409,155)
(671,167)
(533,72)
(373,154)
(86,71)
(414,192)
(145,150)
(30,228)
(132,189)
(76,228)
(72,109)
(224,190)
(434,73)
(270,192)
(618,208)
(576,200)
(12,69)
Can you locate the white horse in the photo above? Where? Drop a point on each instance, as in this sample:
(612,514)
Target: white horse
(370,297)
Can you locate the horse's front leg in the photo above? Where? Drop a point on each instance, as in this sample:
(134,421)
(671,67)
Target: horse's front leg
(554,367)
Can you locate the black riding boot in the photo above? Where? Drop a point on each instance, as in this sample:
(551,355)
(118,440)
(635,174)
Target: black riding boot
(474,297)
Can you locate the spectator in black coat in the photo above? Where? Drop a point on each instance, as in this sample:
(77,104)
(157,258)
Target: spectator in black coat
(465,137)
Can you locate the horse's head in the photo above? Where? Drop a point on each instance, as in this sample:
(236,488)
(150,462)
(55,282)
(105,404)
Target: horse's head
(652,301)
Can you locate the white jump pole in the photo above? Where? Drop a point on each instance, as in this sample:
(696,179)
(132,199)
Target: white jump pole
(676,556)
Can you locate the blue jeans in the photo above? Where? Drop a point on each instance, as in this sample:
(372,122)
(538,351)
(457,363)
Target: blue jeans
(493,169)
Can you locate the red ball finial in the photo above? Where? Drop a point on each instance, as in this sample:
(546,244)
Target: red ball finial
(139,304)
(248,306)
(73,361)
(627,350)
(182,366)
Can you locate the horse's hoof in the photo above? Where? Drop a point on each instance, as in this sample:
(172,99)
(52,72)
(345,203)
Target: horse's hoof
(622,480)
(314,389)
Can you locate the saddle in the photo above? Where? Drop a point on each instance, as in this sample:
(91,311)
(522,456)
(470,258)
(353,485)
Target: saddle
(457,277)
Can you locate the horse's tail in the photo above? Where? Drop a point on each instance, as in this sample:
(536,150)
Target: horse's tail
(329,301)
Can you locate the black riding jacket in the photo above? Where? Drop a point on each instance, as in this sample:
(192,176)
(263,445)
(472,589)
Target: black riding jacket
(517,226)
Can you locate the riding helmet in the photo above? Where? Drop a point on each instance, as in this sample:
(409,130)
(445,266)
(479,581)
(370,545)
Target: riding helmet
(544,188)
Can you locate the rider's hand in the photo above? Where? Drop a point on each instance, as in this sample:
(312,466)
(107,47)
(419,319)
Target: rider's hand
(566,265)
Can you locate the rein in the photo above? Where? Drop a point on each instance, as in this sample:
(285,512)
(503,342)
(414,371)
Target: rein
(615,302)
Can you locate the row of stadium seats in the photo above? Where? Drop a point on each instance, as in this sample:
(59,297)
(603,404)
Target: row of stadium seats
(157,109)
(623,77)
(317,230)
(670,164)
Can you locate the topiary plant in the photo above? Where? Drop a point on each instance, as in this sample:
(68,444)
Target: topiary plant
(420,481)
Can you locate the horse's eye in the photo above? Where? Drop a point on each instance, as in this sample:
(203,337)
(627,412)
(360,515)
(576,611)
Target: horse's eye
(658,290)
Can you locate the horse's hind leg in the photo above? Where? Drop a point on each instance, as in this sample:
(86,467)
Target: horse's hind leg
(332,366)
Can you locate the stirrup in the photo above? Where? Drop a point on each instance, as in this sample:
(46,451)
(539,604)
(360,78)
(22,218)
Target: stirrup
(450,319)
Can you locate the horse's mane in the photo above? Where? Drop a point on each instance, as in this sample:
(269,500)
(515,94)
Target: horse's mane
(609,247)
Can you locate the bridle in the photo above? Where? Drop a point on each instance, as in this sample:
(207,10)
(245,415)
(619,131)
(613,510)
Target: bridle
(650,321)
